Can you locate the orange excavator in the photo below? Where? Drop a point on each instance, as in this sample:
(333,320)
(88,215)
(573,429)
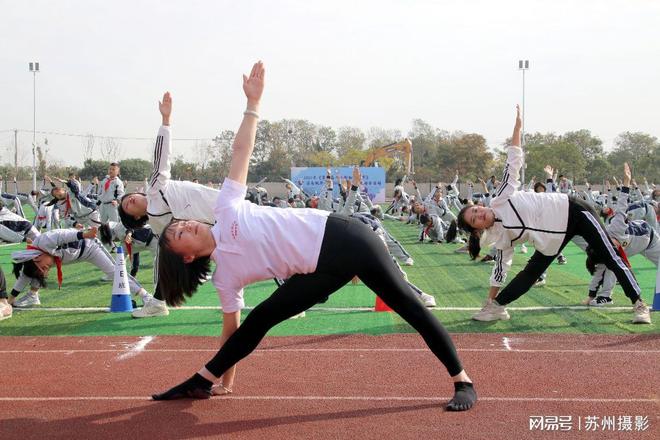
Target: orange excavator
(402,149)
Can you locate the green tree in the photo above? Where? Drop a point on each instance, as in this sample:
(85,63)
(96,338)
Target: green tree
(349,140)
(94,168)
(135,169)
(640,150)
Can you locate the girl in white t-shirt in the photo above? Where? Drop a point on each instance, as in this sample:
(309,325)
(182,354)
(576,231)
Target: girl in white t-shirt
(315,251)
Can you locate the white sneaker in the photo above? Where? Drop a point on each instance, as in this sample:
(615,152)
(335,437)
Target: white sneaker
(427,300)
(642,313)
(299,315)
(5,311)
(105,278)
(539,283)
(409,262)
(27,300)
(153,307)
(458,240)
(492,311)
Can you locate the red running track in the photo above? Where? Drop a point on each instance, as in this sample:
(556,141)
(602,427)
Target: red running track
(331,387)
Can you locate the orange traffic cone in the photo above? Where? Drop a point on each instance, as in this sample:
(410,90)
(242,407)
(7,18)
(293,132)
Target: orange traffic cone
(381,306)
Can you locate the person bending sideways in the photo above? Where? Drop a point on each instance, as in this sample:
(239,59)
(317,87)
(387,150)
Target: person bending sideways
(550,221)
(240,245)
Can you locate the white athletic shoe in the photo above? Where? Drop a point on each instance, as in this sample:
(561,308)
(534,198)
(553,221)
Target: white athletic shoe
(427,300)
(106,278)
(642,313)
(539,283)
(492,311)
(153,307)
(299,315)
(27,300)
(458,240)
(409,262)
(5,311)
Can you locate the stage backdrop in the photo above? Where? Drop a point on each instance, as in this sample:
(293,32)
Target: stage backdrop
(312,180)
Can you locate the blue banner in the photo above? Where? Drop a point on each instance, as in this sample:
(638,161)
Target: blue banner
(312,180)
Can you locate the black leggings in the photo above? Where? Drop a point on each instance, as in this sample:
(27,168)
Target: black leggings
(582,222)
(349,248)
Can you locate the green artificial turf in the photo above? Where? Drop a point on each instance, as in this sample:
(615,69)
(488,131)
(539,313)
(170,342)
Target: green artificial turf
(452,278)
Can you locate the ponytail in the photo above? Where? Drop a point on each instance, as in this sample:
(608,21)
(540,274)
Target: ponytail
(474,245)
(451,232)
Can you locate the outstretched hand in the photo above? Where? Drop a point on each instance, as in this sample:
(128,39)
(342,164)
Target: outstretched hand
(91,232)
(357,177)
(627,175)
(165,106)
(518,125)
(253,85)
(548,171)
(196,387)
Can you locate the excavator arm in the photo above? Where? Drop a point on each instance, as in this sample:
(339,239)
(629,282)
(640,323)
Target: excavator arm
(403,148)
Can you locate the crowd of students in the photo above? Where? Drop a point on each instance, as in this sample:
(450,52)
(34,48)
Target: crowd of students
(186,225)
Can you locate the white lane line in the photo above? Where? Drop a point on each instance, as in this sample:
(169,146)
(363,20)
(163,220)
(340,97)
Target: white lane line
(340,350)
(343,398)
(505,342)
(135,349)
(338,309)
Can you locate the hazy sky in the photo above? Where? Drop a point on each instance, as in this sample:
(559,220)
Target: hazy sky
(362,63)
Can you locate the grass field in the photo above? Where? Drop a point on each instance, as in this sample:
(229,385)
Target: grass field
(455,281)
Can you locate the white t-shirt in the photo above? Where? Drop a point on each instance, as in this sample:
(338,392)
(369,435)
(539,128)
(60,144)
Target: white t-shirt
(255,243)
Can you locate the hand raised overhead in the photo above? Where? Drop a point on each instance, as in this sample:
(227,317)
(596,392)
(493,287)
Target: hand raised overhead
(253,85)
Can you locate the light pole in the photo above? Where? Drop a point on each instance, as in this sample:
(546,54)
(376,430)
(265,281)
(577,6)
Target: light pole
(523,65)
(34,68)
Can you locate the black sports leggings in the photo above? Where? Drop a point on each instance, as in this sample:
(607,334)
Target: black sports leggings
(582,222)
(349,248)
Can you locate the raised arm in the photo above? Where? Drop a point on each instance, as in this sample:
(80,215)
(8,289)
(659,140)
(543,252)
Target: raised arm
(253,86)
(514,161)
(618,225)
(163,146)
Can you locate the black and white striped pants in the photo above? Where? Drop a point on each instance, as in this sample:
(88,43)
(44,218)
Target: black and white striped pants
(582,222)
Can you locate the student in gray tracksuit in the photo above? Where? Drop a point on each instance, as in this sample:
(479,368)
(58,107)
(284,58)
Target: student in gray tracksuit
(14,228)
(110,191)
(635,237)
(141,239)
(60,247)
(393,246)
(77,208)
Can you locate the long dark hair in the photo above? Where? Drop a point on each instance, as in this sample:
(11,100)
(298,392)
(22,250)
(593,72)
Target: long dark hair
(176,278)
(106,234)
(474,240)
(128,220)
(29,270)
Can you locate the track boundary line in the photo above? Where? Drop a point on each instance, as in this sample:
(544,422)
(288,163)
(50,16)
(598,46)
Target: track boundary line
(346,398)
(339,350)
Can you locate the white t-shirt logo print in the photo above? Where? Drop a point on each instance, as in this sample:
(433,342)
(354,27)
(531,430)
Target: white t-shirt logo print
(234,229)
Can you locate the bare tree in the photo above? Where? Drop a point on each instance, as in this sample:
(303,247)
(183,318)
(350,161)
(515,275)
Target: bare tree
(203,154)
(110,149)
(88,147)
